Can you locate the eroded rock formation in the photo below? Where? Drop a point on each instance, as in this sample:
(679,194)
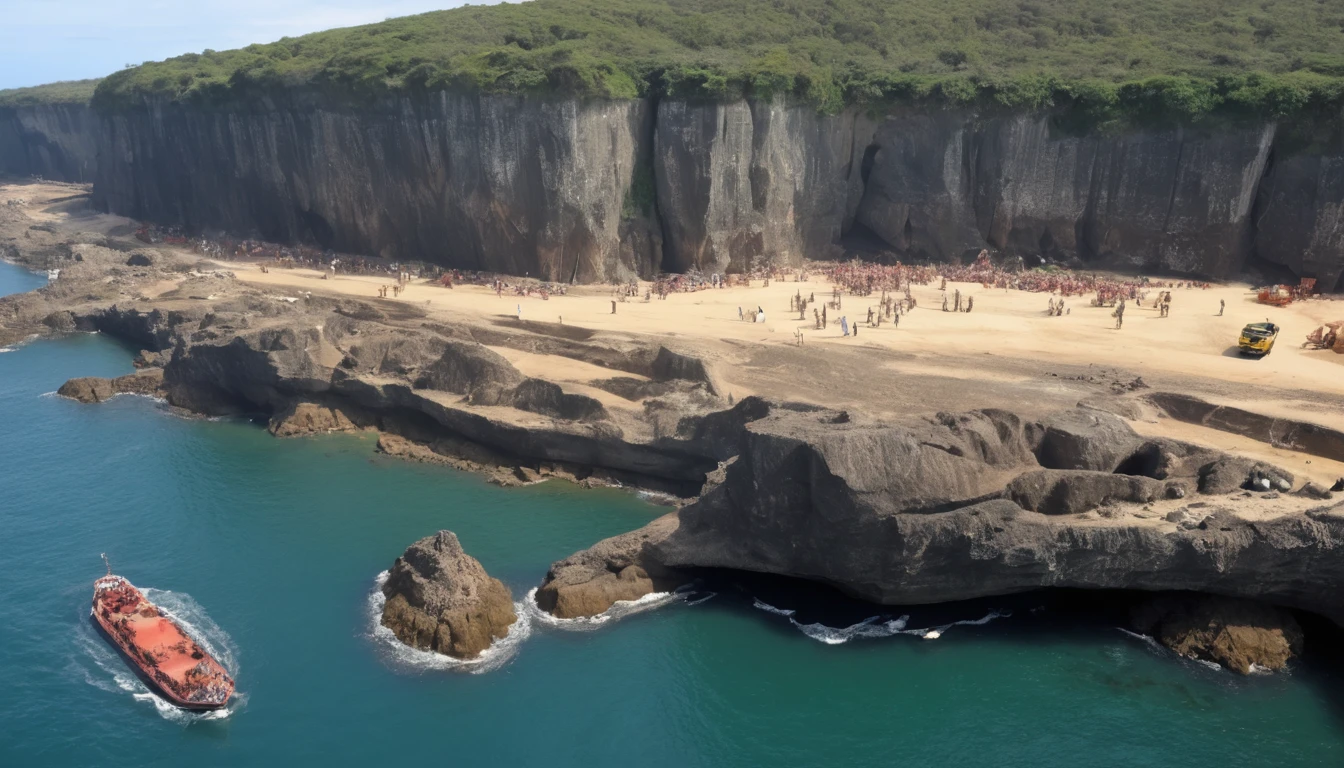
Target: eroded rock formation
(984,503)
(1234,633)
(92,389)
(439,598)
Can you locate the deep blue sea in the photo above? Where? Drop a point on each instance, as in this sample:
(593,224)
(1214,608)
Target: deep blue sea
(270,550)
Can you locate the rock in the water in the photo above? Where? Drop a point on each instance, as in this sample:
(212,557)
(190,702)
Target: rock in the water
(93,389)
(310,418)
(88,389)
(1231,632)
(439,598)
(589,582)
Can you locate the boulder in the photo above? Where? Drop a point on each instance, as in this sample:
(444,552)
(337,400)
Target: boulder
(466,368)
(1070,492)
(1233,473)
(308,418)
(139,259)
(440,599)
(61,322)
(89,389)
(1232,632)
(547,398)
(1084,438)
(589,582)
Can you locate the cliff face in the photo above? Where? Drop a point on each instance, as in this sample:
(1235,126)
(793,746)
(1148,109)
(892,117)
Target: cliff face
(1172,200)
(591,191)
(55,141)
(499,183)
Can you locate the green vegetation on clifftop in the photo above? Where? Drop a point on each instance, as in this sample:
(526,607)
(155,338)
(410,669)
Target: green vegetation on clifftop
(1120,59)
(68,92)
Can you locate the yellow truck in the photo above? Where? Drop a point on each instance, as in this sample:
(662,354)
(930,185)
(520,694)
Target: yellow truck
(1257,339)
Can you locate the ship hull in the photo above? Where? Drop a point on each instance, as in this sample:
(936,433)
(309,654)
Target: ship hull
(144,677)
(162,655)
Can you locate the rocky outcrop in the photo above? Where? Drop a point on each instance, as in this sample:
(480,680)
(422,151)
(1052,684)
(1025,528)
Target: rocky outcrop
(440,599)
(54,141)
(589,582)
(967,505)
(304,417)
(1238,634)
(96,390)
(1063,492)
(314,366)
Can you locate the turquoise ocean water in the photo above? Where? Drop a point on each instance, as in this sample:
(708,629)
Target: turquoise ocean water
(270,549)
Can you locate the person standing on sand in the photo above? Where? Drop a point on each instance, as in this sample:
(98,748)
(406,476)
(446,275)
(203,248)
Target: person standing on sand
(613,307)
(740,314)
(824,323)
(1221,305)
(844,326)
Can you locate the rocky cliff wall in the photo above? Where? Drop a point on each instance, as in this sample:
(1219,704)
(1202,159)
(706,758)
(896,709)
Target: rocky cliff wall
(499,183)
(592,191)
(56,141)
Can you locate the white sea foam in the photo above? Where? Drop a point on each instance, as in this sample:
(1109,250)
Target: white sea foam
(694,598)
(656,497)
(619,610)
(871,627)
(497,655)
(8,349)
(111,672)
(768,608)
(1148,641)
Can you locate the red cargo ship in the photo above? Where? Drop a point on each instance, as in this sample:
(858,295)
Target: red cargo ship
(165,657)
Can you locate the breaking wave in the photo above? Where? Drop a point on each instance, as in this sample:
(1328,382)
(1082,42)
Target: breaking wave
(768,608)
(619,610)
(497,655)
(110,672)
(873,626)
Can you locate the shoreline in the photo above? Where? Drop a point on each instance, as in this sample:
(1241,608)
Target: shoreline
(626,402)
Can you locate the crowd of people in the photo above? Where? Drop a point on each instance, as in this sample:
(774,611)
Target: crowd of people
(864,279)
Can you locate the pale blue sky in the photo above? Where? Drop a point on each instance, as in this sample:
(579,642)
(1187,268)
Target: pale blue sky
(42,41)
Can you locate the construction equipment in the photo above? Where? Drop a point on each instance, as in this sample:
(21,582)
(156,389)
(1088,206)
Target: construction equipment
(1283,295)
(1257,339)
(1275,296)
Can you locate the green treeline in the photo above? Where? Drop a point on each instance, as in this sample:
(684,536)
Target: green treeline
(1120,59)
(68,92)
